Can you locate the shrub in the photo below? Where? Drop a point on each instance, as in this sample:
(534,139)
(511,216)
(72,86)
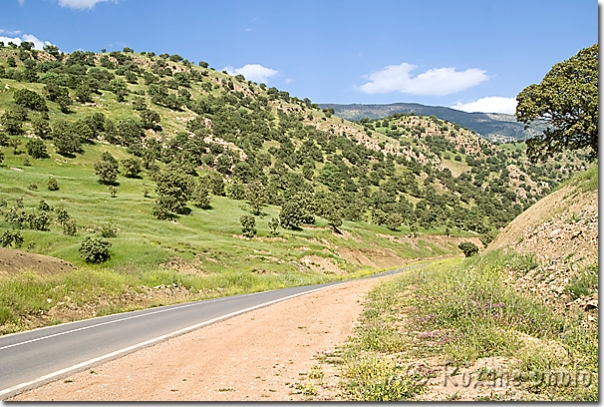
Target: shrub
(53,185)
(132,167)
(70,228)
(108,231)
(201,195)
(30,99)
(273,224)
(290,216)
(36,148)
(248,224)
(106,171)
(44,206)
(95,250)
(39,222)
(469,249)
(9,238)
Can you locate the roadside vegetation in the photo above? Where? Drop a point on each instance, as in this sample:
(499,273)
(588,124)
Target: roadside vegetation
(465,315)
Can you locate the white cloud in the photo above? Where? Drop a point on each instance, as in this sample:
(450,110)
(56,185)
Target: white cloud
(253,72)
(81,4)
(38,44)
(435,82)
(489,104)
(21,2)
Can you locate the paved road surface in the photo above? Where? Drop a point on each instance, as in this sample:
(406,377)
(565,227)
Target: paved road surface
(36,357)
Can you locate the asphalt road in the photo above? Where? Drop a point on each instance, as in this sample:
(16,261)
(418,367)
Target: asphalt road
(33,358)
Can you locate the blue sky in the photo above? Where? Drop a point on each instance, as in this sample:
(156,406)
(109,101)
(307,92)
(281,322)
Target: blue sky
(474,55)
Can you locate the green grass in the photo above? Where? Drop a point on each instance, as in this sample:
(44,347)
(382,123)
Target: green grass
(462,311)
(586,181)
(583,284)
(143,240)
(206,239)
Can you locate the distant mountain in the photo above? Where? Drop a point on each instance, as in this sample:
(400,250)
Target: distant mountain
(492,126)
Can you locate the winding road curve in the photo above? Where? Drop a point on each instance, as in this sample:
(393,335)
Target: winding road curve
(33,358)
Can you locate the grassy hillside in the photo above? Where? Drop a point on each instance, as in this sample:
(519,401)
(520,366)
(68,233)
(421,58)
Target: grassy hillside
(519,322)
(163,160)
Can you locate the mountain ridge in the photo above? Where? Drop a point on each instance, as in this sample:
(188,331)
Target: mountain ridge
(496,127)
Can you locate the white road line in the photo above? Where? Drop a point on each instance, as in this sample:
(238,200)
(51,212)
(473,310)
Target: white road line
(82,365)
(96,325)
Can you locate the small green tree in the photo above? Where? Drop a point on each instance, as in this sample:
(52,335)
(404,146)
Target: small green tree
(257,197)
(469,249)
(39,222)
(30,99)
(63,216)
(201,195)
(12,122)
(36,148)
(173,190)
(248,224)
(236,190)
(273,224)
(53,185)
(335,220)
(40,127)
(11,238)
(70,228)
(106,171)
(394,221)
(65,140)
(132,167)
(95,250)
(290,216)
(149,118)
(44,206)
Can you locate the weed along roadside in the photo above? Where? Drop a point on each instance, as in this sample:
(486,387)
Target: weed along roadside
(456,330)
(517,322)
(40,299)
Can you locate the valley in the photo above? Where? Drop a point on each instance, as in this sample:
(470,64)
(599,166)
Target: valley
(132,180)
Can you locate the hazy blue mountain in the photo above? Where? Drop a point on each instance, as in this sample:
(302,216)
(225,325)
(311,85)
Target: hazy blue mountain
(492,126)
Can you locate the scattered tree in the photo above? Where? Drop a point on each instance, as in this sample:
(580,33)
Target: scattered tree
(53,185)
(248,224)
(273,224)
(11,238)
(36,148)
(95,250)
(201,195)
(173,190)
(30,100)
(566,101)
(469,249)
(256,195)
(132,167)
(106,171)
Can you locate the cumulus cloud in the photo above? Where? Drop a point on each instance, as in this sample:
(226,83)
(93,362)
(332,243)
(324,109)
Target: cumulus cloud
(434,82)
(489,104)
(81,4)
(38,44)
(253,72)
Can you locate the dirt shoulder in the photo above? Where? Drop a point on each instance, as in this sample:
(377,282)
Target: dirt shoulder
(255,356)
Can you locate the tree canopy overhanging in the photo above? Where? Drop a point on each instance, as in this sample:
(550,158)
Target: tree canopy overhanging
(566,101)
